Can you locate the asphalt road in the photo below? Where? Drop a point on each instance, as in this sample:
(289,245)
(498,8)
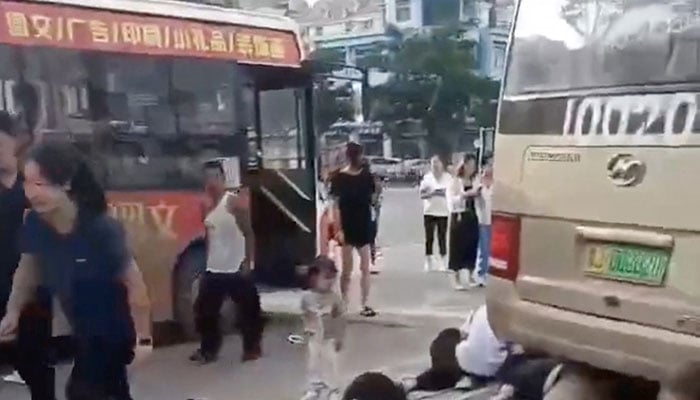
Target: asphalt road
(402,288)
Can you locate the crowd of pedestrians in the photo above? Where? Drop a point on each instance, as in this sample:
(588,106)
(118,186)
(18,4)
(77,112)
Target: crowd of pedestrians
(457,204)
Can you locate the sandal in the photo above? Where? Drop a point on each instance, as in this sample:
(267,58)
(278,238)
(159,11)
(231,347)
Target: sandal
(368,312)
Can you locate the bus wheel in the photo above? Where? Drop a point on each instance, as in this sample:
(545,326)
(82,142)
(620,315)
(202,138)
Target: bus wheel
(192,265)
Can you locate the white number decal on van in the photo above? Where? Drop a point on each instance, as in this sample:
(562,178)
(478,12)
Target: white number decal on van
(632,119)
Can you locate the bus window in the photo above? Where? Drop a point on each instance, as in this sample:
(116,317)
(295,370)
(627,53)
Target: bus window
(9,75)
(144,122)
(203,92)
(597,44)
(281,116)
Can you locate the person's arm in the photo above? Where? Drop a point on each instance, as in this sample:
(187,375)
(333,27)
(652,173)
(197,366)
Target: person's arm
(334,204)
(139,301)
(377,189)
(123,268)
(24,284)
(425,188)
(309,316)
(27,276)
(475,191)
(455,193)
(242,215)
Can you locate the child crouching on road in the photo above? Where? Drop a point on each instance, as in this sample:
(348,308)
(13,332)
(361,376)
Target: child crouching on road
(324,325)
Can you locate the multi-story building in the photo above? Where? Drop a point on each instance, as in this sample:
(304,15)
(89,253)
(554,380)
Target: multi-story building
(351,27)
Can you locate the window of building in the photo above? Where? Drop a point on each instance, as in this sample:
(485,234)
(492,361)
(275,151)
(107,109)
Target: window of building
(499,57)
(368,24)
(403,10)
(318,31)
(468,10)
(349,26)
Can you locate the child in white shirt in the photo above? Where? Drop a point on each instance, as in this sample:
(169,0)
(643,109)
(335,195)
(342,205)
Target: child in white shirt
(324,325)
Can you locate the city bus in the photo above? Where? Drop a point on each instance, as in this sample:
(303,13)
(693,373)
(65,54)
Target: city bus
(596,234)
(150,90)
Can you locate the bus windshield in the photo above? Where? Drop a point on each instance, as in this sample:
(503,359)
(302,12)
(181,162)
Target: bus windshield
(562,45)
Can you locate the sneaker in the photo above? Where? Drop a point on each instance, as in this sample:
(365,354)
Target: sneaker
(313,394)
(316,392)
(458,284)
(201,358)
(429,265)
(368,312)
(15,378)
(442,264)
(408,383)
(373,269)
(475,280)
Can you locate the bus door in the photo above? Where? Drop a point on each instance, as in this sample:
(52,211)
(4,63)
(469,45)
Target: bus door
(284,202)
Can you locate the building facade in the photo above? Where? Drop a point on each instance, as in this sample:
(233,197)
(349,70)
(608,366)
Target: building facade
(350,27)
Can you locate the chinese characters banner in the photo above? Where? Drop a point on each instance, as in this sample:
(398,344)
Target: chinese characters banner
(76,28)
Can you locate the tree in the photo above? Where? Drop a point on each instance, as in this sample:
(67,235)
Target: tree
(432,80)
(333,99)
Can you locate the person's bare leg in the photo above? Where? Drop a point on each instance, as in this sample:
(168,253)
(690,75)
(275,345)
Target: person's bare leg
(365,256)
(346,274)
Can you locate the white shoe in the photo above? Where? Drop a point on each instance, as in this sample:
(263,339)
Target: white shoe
(15,378)
(313,394)
(458,285)
(479,281)
(442,263)
(429,264)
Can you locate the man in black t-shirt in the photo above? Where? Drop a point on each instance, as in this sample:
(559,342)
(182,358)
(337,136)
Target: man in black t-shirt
(12,205)
(31,350)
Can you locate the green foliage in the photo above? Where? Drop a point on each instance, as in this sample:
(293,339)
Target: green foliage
(333,101)
(432,80)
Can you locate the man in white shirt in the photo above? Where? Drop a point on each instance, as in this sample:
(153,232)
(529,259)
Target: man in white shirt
(480,353)
(433,191)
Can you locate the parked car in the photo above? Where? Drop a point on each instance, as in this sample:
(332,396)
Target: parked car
(389,168)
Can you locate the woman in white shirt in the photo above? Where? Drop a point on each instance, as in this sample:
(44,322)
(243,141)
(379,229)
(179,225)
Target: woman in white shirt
(464,226)
(433,191)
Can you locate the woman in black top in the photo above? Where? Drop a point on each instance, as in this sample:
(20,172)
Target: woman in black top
(464,225)
(353,189)
(30,350)
(74,252)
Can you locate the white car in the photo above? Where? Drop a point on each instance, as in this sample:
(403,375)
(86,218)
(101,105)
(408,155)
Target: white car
(386,167)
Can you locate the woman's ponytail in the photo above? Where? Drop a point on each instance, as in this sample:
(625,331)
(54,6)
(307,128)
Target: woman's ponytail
(86,191)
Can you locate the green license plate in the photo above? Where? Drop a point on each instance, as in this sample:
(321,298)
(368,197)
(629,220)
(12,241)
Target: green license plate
(628,263)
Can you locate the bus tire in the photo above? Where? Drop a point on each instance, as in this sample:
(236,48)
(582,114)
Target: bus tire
(189,271)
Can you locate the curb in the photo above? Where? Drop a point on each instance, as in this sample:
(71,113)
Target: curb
(388,319)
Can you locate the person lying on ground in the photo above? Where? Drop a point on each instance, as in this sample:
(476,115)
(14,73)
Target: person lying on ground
(472,351)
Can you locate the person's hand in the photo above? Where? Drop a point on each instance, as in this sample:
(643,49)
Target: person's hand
(246,267)
(9,326)
(340,237)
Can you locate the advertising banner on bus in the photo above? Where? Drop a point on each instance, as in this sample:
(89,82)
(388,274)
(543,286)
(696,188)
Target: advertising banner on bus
(84,29)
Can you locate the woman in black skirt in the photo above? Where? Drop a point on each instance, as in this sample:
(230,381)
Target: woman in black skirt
(464,225)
